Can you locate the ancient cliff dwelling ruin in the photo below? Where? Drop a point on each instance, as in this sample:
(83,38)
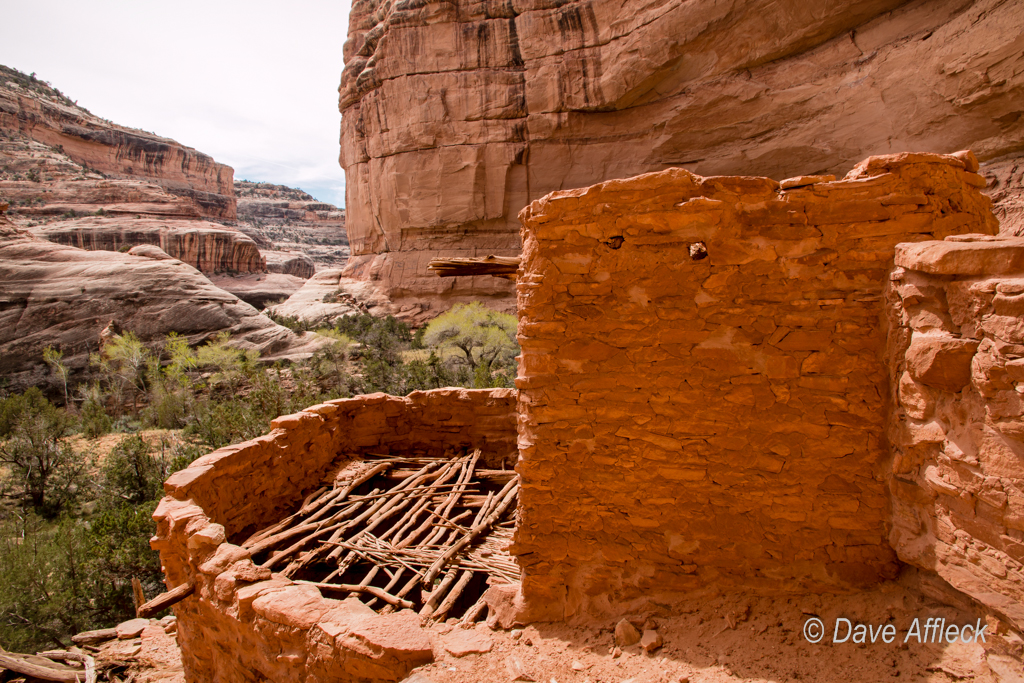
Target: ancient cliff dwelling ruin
(727,383)
(754,384)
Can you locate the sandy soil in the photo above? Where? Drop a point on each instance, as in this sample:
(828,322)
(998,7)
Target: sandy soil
(99,447)
(742,639)
(723,639)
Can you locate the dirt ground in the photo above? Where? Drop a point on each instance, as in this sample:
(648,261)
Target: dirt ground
(722,639)
(100,446)
(734,639)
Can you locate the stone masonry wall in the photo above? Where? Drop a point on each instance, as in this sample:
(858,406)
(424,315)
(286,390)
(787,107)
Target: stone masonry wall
(956,357)
(702,398)
(245,624)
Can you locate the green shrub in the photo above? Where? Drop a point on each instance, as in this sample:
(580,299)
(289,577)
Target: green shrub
(94,419)
(48,472)
(485,339)
(132,473)
(45,587)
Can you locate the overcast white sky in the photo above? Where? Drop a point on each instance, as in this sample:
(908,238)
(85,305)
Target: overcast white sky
(252,83)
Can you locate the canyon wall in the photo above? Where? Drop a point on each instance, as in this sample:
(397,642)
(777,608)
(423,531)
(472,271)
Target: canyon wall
(956,360)
(277,204)
(455,115)
(243,624)
(702,396)
(289,263)
(38,112)
(61,296)
(208,247)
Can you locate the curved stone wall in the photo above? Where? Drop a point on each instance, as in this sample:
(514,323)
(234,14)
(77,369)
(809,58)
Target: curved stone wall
(245,624)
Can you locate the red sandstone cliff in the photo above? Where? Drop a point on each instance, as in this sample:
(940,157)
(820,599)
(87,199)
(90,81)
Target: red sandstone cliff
(456,115)
(276,204)
(32,110)
(208,247)
(56,295)
(289,220)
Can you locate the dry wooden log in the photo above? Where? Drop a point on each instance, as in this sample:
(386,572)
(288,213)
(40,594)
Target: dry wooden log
(316,508)
(316,527)
(85,660)
(439,592)
(398,502)
(311,502)
(40,667)
(510,492)
(443,509)
(99,636)
(165,600)
(442,611)
(334,529)
(419,549)
(498,266)
(473,613)
(501,476)
(315,554)
(137,595)
(401,527)
(372,590)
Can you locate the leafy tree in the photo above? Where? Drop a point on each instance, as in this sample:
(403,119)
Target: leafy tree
(95,421)
(45,589)
(171,389)
(231,365)
(331,360)
(132,473)
(34,446)
(54,358)
(485,338)
(123,361)
(435,374)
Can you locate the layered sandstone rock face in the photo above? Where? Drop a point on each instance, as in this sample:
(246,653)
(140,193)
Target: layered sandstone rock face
(36,111)
(42,182)
(260,289)
(702,396)
(56,295)
(457,114)
(208,247)
(267,203)
(956,358)
(291,220)
(244,624)
(289,263)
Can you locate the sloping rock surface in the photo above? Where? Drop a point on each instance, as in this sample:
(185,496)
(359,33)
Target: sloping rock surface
(289,263)
(285,218)
(51,294)
(269,203)
(458,114)
(259,290)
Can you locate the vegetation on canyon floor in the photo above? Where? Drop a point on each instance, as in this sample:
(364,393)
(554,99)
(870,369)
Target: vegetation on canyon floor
(81,470)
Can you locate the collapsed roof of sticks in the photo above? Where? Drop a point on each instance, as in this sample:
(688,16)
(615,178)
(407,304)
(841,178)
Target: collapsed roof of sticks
(401,533)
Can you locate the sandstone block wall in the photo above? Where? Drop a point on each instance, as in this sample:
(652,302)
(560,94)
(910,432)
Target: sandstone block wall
(956,361)
(243,624)
(702,395)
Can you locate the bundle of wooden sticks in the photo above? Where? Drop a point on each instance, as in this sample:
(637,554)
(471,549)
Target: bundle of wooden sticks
(386,526)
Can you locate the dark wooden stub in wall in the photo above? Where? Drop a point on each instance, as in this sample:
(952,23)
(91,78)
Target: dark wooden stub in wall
(498,266)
